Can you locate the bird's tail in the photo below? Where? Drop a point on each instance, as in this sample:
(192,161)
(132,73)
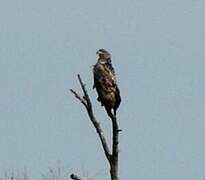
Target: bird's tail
(110,114)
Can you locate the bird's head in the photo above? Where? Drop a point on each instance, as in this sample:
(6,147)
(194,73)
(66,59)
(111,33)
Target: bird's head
(103,55)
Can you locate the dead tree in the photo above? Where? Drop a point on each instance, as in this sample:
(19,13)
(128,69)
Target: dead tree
(112,153)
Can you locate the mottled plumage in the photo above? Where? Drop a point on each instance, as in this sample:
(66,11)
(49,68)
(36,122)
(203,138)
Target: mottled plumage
(105,83)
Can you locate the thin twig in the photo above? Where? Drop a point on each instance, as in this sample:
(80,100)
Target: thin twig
(86,96)
(78,97)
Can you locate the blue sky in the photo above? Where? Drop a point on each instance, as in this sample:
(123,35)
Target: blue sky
(158,52)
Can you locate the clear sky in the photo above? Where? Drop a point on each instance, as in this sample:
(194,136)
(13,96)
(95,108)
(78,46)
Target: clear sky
(158,53)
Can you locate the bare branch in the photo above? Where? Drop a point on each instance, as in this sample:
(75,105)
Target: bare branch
(76,177)
(86,96)
(116,131)
(88,105)
(115,149)
(111,157)
(78,97)
(101,136)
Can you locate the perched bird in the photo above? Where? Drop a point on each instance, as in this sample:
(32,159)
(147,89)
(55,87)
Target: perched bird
(105,83)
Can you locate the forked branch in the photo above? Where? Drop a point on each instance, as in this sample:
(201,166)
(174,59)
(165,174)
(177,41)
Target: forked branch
(112,157)
(85,100)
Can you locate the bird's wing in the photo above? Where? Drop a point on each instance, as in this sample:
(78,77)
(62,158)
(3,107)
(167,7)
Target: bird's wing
(104,78)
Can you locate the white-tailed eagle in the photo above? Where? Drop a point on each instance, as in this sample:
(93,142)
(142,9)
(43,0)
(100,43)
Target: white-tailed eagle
(105,83)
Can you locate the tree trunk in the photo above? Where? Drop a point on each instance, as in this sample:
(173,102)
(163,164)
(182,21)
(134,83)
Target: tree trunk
(114,172)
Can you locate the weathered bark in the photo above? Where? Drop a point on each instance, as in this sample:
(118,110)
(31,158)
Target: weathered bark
(85,100)
(115,149)
(112,157)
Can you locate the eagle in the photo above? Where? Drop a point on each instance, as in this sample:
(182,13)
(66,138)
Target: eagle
(105,83)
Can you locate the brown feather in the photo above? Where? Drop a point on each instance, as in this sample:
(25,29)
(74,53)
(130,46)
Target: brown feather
(106,84)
